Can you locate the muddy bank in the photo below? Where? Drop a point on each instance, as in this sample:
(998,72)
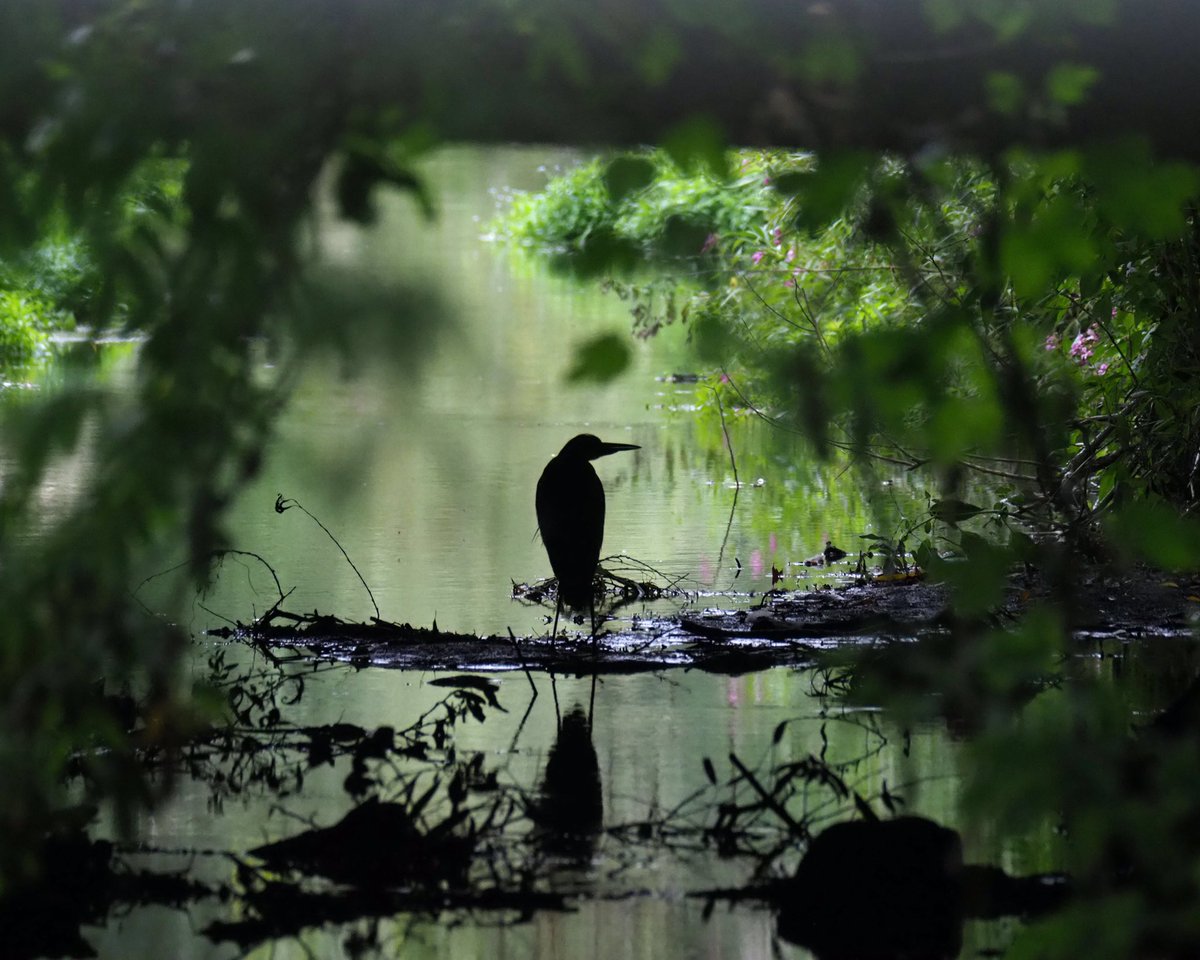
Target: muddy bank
(783,629)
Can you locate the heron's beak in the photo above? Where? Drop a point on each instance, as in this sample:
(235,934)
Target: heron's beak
(607,448)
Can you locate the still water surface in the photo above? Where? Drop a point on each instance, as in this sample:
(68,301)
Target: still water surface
(422,460)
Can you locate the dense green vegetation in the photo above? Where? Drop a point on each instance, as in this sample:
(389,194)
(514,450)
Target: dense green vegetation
(648,206)
(54,283)
(37,295)
(1022,310)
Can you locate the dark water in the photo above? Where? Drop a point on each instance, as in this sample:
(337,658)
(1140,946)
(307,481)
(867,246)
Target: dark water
(422,462)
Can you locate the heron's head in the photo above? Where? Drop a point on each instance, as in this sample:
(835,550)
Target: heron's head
(586,446)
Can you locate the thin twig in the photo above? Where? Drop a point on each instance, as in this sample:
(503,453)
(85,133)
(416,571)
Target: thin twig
(749,404)
(521,659)
(728,442)
(1117,345)
(512,747)
(215,555)
(737,486)
(213,613)
(282,504)
(745,276)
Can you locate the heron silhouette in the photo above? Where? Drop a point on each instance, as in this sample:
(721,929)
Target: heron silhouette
(570,512)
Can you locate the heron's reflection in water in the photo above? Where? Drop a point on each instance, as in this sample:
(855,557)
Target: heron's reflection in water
(569,808)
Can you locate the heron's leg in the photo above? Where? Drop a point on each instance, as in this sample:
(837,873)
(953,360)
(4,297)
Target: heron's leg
(553,685)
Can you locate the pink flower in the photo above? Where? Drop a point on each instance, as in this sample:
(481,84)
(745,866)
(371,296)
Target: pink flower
(789,282)
(791,254)
(1102,370)
(710,242)
(756,257)
(766,181)
(1053,341)
(777,236)
(1081,346)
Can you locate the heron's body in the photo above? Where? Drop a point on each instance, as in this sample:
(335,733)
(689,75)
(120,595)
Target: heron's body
(570,512)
